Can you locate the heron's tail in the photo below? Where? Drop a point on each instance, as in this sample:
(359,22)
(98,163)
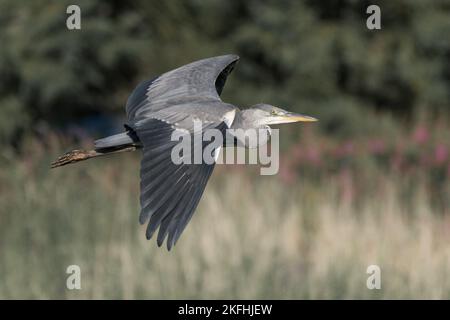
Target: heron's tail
(122,142)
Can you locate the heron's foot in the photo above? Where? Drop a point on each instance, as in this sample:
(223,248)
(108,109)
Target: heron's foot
(71,157)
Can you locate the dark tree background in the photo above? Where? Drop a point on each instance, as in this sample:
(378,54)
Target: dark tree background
(316,57)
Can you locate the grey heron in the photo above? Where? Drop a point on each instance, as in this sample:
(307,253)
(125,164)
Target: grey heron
(169,192)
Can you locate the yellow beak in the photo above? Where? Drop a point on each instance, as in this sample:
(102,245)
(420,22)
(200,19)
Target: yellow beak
(291,117)
(295,117)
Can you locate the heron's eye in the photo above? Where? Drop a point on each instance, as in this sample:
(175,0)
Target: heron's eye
(273,112)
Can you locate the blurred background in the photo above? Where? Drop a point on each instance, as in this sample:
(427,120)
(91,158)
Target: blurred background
(368,184)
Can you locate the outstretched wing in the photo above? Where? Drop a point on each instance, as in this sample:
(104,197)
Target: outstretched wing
(198,81)
(170,192)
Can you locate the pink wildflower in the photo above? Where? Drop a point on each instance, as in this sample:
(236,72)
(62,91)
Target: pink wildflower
(440,154)
(421,135)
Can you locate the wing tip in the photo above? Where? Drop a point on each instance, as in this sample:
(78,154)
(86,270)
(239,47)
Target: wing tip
(232,58)
(228,58)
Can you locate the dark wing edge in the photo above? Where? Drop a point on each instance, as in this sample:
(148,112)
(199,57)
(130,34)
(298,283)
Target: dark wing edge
(223,75)
(170,193)
(202,79)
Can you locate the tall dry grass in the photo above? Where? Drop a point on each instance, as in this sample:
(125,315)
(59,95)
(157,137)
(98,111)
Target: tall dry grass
(251,237)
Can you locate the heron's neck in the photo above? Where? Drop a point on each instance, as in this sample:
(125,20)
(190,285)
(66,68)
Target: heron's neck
(241,122)
(262,132)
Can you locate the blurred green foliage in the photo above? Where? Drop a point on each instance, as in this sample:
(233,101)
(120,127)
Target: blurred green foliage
(309,56)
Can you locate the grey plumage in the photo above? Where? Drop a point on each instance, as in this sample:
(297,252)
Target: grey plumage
(120,139)
(170,103)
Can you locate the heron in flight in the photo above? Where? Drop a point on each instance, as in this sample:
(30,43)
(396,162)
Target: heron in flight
(169,192)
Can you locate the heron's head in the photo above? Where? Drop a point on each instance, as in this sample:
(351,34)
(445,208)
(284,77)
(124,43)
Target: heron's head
(265,114)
